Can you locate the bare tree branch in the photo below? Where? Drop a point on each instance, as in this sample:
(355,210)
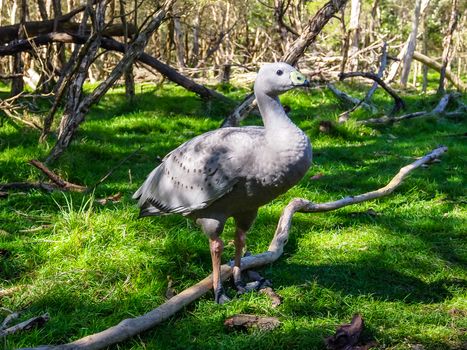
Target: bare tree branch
(440,108)
(398,102)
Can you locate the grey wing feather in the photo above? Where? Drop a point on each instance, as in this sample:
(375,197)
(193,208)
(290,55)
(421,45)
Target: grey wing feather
(194,175)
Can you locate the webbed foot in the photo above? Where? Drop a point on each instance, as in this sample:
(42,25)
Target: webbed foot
(220,297)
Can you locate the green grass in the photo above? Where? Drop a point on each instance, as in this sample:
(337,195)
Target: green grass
(91,266)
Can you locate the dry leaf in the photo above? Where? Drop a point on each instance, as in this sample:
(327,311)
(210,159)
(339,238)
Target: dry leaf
(317,176)
(347,336)
(113,198)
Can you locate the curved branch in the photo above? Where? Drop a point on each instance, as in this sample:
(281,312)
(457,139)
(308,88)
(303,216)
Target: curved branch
(132,326)
(398,102)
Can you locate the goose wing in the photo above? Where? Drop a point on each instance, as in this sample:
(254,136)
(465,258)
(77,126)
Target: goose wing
(198,172)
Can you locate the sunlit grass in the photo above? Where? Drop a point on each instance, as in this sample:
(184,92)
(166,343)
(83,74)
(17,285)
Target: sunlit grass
(400,264)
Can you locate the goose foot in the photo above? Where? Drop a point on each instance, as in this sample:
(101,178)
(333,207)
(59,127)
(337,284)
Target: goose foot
(220,297)
(255,282)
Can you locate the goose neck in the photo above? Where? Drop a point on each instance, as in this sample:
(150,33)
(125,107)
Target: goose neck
(272,112)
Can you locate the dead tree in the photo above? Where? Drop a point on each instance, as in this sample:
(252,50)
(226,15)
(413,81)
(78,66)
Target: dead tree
(295,51)
(73,118)
(354,33)
(114,45)
(447,44)
(411,44)
(129,77)
(411,41)
(17,84)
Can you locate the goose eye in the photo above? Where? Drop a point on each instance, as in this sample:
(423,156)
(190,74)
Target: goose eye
(279,72)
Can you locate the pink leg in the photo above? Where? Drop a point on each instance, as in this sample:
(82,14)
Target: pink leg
(217,246)
(240,237)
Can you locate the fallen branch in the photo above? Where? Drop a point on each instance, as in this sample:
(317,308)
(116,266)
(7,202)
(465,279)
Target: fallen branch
(398,102)
(343,117)
(28,186)
(38,321)
(440,108)
(132,326)
(114,45)
(57,180)
(430,63)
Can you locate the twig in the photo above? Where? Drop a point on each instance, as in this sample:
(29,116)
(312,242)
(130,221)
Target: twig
(132,326)
(110,172)
(398,102)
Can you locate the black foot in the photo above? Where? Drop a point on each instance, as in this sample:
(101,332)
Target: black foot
(220,297)
(241,286)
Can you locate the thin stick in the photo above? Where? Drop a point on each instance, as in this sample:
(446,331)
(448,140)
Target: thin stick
(115,167)
(132,326)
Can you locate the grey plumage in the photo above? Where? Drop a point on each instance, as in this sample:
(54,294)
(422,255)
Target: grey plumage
(231,172)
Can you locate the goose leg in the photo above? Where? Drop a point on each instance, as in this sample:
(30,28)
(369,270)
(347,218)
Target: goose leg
(240,237)
(217,246)
(243,223)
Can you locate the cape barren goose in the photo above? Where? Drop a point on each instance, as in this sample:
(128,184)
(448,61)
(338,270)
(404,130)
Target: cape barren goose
(231,172)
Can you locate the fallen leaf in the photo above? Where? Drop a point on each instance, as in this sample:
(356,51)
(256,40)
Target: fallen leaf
(113,198)
(347,336)
(243,322)
(317,176)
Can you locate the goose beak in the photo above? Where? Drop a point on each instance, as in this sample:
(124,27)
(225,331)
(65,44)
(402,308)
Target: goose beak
(298,79)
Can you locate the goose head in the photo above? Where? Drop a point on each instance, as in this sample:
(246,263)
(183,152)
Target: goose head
(276,78)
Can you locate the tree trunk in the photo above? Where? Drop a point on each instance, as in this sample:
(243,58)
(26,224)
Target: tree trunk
(424,52)
(354,33)
(196,30)
(412,43)
(17,83)
(447,45)
(178,39)
(129,77)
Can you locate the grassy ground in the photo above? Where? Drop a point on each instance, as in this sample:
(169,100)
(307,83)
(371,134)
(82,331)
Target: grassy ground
(90,265)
